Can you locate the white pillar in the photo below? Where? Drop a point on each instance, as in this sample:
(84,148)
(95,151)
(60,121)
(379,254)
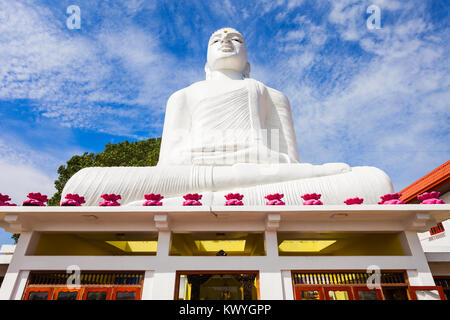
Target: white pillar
(147,288)
(270,281)
(14,282)
(163,281)
(163,244)
(421,276)
(270,285)
(271,244)
(163,285)
(21,282)
(288,289)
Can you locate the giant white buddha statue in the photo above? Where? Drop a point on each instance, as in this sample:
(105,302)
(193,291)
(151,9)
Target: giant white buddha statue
(229,133)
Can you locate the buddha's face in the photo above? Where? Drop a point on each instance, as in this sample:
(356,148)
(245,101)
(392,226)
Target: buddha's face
(226,50)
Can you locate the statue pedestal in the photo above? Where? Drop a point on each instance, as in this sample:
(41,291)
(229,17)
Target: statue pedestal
(160,272)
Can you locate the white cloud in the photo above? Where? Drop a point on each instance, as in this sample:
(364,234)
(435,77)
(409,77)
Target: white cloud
(80,79)
(17,180)
(387,107)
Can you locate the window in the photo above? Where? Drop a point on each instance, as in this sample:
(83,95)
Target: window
(93,286)
(217,285)
(439,228)
(348,285)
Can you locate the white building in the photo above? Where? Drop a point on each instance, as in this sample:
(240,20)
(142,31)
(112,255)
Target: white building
(274,252)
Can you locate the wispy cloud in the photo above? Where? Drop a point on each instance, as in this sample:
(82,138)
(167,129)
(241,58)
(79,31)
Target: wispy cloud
(375,97)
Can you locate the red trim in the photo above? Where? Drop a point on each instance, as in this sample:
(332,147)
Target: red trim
(46,289)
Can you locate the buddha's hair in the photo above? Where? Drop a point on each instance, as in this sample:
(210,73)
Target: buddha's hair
(245,73)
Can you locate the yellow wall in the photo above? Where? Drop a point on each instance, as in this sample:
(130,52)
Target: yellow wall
(68,244)
(349,244)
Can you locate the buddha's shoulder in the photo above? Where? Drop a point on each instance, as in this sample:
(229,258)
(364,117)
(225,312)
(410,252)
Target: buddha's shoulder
(274,94)
(188,90)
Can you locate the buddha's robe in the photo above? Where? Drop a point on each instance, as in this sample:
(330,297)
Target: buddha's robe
(228,145)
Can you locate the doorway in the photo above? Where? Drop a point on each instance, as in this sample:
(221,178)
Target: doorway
(217,285)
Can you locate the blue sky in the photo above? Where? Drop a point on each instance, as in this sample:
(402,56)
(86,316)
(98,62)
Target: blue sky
(365,97)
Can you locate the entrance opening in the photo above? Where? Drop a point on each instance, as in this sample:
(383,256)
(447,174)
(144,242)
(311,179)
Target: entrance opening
(216,285)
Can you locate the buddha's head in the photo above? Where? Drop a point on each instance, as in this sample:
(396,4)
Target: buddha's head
(227,51)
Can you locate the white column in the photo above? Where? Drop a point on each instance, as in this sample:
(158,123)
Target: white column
(147,288)
(421,276)
(270,285)
(270,281)
(21,282)
(13,283)
(163,281)
(271,244)
(288,289)
(163,244)
(163,285)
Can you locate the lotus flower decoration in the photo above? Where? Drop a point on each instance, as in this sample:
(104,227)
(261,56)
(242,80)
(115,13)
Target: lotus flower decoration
(234,199)
(192,199)
(153,199)
(110,200)
(353,201)
(73,200)
(391,198)
(36,199)
(275,199)
(430,198)
(312,199)
(4,201)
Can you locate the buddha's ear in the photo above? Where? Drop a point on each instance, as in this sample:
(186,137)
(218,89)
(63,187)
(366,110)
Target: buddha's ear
(207,71)
(246,71)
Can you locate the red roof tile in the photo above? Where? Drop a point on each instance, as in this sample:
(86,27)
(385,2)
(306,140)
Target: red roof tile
(431,180)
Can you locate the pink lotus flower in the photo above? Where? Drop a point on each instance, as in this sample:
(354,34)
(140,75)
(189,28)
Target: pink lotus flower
(312,199)
(4,201)
(352,201)
(275,199)
(73,200)
(192,199)
(391,198)
(153,199)
(110,200)
(430,198)
(36,199)
(234,199)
